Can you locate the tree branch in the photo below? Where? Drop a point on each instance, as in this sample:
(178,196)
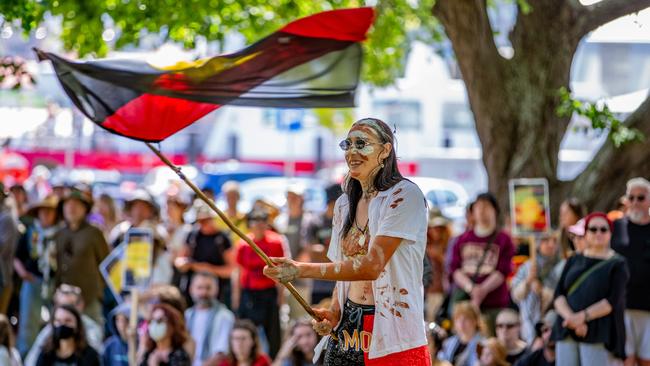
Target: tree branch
(612,167)
(593,16)
(467,21)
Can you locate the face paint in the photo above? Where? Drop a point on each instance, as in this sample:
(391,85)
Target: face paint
(358,134)
(356,263)
(337,267)
(286,273)
(323,270)
(323,328)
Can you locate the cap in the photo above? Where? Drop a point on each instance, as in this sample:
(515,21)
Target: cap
(142,195)
(203,211)
(257,214)
(78,195)
(436,218)
(230,186)
(578,229)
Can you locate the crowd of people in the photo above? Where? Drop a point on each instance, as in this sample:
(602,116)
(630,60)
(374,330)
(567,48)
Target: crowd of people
(580,298)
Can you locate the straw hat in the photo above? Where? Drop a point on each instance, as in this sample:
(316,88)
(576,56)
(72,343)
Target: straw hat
(50,201)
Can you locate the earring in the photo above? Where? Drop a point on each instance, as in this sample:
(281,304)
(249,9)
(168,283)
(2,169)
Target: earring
(381,165)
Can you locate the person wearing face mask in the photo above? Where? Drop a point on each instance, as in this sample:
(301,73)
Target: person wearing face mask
(166,335)
(631,239)
(209,322)
(68,345)
(590,301)
(67,295)
(481,260)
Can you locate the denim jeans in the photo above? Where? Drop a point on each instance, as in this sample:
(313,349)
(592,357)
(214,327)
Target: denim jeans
(30,320)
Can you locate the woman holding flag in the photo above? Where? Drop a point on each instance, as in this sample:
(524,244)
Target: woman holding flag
(377,248)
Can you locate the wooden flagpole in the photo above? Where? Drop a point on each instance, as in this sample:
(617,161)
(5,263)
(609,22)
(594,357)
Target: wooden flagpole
(235,229)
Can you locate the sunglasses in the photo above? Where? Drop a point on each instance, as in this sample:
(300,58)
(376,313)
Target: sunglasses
(359,144)
(507,325)
(595,229)
(159,320)
(639,198)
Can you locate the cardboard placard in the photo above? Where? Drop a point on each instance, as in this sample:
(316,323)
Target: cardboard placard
(529,206)
(138,258)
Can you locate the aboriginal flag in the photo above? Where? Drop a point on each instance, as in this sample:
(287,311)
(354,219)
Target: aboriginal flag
(312,62)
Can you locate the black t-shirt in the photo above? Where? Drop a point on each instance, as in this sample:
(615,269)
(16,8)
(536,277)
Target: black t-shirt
(87,357)
(513,358)
(633,242)
(210,249)
(534,359)
(606,282)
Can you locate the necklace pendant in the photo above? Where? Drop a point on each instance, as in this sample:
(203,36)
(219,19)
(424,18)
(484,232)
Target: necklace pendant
(362,240)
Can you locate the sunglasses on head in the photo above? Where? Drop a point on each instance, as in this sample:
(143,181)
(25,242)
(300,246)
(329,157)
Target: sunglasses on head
(359,144)
(595,229)
(639,198)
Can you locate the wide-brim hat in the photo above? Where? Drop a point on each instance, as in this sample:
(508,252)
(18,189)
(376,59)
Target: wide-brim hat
(49,201)
(141,195)
(80,196)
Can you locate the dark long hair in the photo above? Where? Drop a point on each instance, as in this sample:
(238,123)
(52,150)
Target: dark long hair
(80,341)
(255,351)
(385,179)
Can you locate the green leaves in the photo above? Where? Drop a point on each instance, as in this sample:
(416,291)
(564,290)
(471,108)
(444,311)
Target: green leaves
(601,118)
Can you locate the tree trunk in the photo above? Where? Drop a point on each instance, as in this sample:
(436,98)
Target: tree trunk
(514,101)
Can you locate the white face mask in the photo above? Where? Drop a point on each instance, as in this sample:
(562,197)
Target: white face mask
(157,331)
(483,231)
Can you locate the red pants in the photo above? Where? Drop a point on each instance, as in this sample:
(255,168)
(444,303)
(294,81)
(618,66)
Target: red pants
(412,357)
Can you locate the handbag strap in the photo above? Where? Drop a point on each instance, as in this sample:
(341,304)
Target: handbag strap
(574,287)
(484,256)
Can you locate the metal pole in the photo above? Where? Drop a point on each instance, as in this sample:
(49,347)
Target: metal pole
(234,228)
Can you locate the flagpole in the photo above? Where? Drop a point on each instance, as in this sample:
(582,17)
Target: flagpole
(234,228)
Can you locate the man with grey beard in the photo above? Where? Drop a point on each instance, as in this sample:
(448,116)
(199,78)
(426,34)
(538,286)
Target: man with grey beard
(631,238)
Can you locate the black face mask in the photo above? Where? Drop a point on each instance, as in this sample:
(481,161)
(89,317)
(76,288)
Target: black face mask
(64,332)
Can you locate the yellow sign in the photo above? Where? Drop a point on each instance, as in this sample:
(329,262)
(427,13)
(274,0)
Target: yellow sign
(138,258)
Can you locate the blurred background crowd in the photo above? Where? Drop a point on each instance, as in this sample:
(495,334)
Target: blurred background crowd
(491,298)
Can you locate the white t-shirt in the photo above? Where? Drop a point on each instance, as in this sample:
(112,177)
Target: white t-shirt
(398,212)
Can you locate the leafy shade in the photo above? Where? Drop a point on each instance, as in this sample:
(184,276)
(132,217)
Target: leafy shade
(189,21)
(601,119)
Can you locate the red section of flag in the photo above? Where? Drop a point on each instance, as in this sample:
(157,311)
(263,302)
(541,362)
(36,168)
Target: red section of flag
(155,117)
(342,24)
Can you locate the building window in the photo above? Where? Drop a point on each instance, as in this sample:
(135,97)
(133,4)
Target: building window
(402,114)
